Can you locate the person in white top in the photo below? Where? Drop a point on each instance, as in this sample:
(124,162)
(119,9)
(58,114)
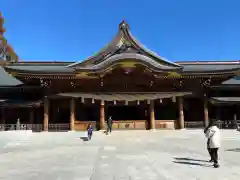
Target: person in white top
(214,136)
(208,141)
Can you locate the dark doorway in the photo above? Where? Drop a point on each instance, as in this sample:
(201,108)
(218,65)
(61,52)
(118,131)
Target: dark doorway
(63,115)
(88,113)
(12,114)
(126,112)
(167,110)
(193,110)
(59,111)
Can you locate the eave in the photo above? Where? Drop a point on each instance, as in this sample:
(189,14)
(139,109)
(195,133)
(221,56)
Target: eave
(225,100)
(106,66)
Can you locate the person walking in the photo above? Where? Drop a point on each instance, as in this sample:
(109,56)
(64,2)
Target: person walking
(109,125)
(214,136)
(208,141)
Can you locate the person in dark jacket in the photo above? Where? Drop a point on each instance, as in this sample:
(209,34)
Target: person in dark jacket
(208,142)
(90,131)
(109,125)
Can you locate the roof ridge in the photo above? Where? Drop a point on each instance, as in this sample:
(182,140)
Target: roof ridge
(207,62)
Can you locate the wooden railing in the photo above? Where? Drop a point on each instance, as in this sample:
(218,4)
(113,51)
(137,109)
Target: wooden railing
(226,124)
(195,124)
(128,124)
(61,127)
(165,124)
(120,124)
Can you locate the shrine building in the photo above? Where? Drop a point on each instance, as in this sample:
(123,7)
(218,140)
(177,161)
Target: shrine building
(125,80)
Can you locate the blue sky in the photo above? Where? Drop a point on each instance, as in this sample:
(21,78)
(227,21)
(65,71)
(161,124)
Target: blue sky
(71,30)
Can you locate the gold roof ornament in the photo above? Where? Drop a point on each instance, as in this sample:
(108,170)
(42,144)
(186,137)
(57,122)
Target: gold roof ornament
(13,74)
(173,74)
(173,99)
(148,101)
(84,75)
(138,102)
(128,64)
(82,100)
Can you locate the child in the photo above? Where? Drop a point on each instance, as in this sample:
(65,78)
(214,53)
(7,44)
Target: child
(90,130)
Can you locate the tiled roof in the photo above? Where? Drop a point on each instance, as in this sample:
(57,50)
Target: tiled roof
(233,81)
(8,80)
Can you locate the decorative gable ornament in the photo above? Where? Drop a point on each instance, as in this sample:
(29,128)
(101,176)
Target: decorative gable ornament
(120,43)
(123,42)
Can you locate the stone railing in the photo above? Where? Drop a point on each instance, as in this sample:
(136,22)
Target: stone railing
(15,127)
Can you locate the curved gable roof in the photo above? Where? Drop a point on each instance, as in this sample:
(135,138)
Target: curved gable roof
(124,42)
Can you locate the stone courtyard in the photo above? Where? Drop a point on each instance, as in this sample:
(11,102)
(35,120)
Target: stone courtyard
(125,155)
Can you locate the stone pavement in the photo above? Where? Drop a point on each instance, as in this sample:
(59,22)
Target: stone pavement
(125,155)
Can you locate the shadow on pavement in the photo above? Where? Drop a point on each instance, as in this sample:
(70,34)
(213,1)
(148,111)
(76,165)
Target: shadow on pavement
(189,159)
(234,150)
(84,138)
(191,163)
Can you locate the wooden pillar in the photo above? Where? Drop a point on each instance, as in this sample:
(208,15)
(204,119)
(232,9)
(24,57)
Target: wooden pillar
(31,116)
(235,117)
(206,117)
(218,113)
(3,119)
(102,115)
(152,115)
(3,116)
(181,113)
(46,114)
(72,115)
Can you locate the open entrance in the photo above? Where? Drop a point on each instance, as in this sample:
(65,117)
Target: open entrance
(11,115)
(227,115)
(193,112)
(86,113)
(123,112)
(167,110)
(59,115)
(128,116)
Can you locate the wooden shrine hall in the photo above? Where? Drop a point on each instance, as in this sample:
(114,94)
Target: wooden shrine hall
(125,80)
